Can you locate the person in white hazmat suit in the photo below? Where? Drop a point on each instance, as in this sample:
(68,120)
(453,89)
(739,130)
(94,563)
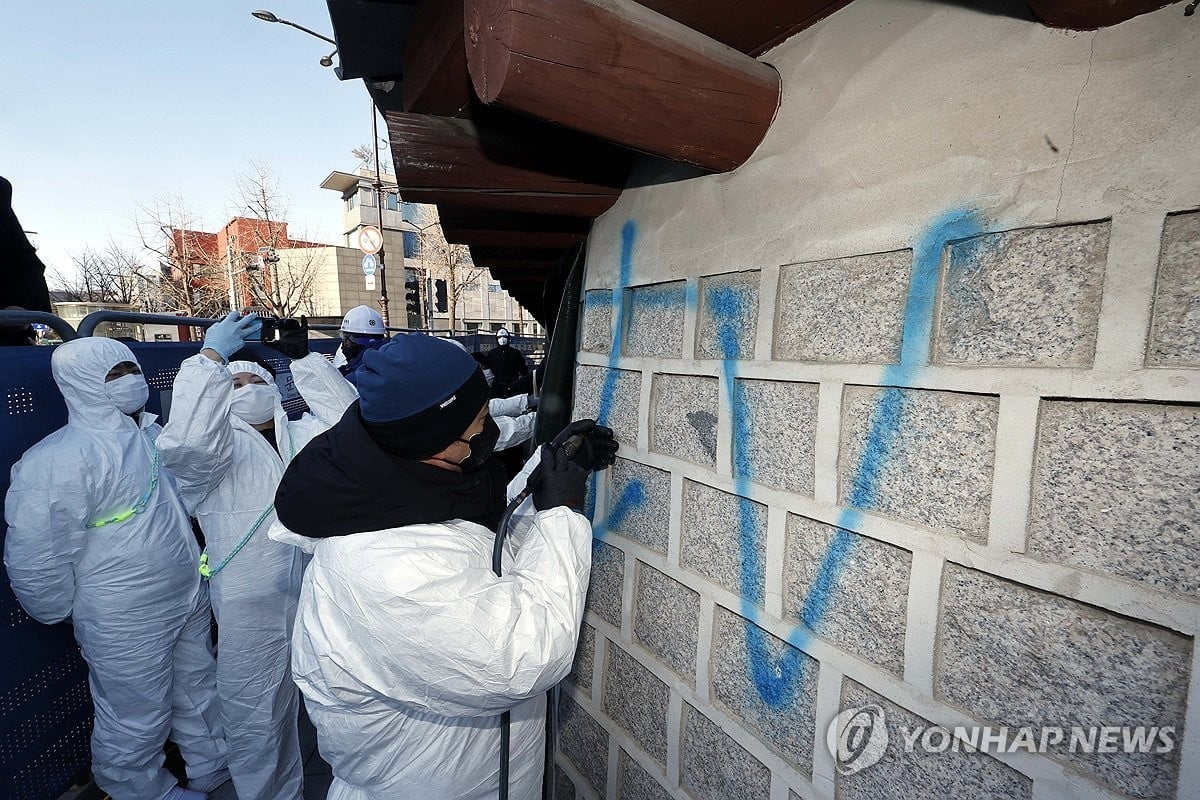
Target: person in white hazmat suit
(408,648)
(227,442)
(98,535)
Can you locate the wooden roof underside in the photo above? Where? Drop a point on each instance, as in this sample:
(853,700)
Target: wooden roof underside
(574,88)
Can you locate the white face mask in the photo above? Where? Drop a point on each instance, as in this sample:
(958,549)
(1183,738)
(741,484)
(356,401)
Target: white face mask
(255,403)
(503,340)
(128,393)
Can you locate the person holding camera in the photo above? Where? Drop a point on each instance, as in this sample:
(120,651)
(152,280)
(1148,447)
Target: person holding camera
(228,442)
(408,648)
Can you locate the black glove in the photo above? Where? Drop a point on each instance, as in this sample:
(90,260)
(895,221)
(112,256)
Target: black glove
(597,448)
(558,481)
(292,340)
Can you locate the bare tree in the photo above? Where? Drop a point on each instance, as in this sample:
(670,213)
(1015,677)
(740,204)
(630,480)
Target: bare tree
(280,286)
(449,262)
(115,274)
(191,273)
(366,157)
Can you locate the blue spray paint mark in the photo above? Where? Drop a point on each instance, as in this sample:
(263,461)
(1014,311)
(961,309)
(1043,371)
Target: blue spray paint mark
(632,497)
(660,297)
(777,683)
(598,298)
(608,389)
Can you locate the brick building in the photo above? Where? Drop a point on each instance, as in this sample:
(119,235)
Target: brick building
(234,268)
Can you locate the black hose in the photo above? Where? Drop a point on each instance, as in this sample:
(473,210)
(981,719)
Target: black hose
(506,717)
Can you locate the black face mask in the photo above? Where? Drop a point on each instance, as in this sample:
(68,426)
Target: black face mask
(350,348)
(482,445)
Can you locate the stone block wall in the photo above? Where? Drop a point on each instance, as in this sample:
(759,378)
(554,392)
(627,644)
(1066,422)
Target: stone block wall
(909,412)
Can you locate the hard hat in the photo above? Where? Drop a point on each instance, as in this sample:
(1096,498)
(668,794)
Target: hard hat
(363,319)
(502,332)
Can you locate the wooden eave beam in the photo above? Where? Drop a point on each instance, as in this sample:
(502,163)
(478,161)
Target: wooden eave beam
(501,161)
(618,71)
(1085,15)
(484,227)
(435,61)
(754,27)
(509,238)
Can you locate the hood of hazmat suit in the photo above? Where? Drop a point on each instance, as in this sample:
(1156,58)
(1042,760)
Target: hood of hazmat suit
(228,472)
(408,648)
(97,534)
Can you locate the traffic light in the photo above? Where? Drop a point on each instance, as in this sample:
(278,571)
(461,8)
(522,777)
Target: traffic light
(412,297)
(439,295)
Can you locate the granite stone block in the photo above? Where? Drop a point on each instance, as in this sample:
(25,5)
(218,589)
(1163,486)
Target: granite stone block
(1027,297)
(713,527)
(584,742)
(712,766)
(684,418)
(611,397)
(901,775)
(655,320)
(923,456)
(1116,489)
(564,789)
(768,684)
(728,320)
(635,783)
(639,504)
(845,310)
(850,589)
(597,321)
(606,588)
(774,433)
(1175,328)
(1016,656)
(666,619)
(585,657)
(636,701)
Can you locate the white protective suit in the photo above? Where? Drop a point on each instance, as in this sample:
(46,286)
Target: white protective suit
(130,587)
(408,648)
(513,418)
(228,473)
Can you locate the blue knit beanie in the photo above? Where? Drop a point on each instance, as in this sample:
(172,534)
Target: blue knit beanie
(417,394)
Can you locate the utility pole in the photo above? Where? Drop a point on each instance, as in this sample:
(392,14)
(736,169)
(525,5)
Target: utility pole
(383,297)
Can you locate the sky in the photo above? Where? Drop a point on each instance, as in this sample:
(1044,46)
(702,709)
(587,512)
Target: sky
(108,105)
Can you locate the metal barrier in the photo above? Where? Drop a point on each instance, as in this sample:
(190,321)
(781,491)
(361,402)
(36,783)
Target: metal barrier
(88,326)
(45,705)
(22,317)
(44,700)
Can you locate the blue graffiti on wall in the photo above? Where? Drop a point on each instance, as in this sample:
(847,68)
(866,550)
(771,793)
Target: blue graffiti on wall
(778,679)
(608,388)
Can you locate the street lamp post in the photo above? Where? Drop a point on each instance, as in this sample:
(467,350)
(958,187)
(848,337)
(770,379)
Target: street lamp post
(383,296)
(327,61)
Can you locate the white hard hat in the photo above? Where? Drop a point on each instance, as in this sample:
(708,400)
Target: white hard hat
(502,332)
(363,319)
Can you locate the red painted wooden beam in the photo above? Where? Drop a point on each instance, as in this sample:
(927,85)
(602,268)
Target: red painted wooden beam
(503,161)
(621,72)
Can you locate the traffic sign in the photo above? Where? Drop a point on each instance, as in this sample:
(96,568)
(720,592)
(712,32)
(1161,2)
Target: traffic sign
(370,240)
(370,282)
(370,264)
